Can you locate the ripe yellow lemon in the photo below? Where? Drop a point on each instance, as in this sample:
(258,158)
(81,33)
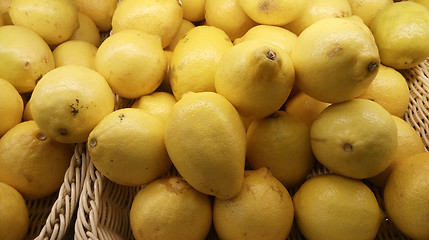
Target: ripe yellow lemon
(422,2)
(262,210)
(304,107)
(11,106)
(101,12)
(158,17)
(69,101)
(206,141)
(368,9)
(27,112)
(1,20)
(55,21)
(334,207)
(133,63)
(335,59)
(193,10)
(158,104)
(184,28)
(76,52)
(406,196)
(256,77)
(87,30)
(356,138)
(24,57)
(280,142)
(194,60)
(14,217)
(32,162)
(165,84)
(401,31)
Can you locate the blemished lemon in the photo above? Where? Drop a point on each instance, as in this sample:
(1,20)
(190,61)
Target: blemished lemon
(24,56)
(87,30)
(304,107)
(282,37)
(195,58)
(401,31)
(389,89)
(69,101)
(335,207)
(355,138)
(262,210)
(55,21)
(316,10)
(256,77)
(273,12)
(101,12)
(14,217)
(280,142)
(77,52)
(32,162)
(206,141)
(368,9)
(158,104)
(229,16)
(184,28)
(11,106)
(193,10)
(158,17)
(126,160)
(409,143)
(133,62)
(406,196)
(335,59)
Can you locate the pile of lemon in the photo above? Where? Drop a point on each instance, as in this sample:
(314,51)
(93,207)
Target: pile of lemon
(240,98)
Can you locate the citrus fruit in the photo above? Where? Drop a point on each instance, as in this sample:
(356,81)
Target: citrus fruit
(11,106)
(184,28)
(76,52)
(368,9)
(87,30)
(193,10)
(101,12)
(304,107)
(14,217)
(158,104)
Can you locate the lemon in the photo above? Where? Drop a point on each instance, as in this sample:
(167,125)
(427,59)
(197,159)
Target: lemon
(1,20)
(335,59)
(169,208)
(280,142)
(334,207)
(401,31)
(194,60)
(304,107)
(27,112)
(409,143)
(32,162)
(206,141)
(368,9)
(273,12)
(77,52)
(279,36)
(422,2)
(87,30)
(24,57)
(158,104)
(122,158)
(69,101)
(165,84)
(184,28)
(228,16)
(262,210)
(14,217)
(158,17)
(406,196)
(133,62)
(101,12)
(316,10)
(193,10)
(11,106)
(256,77)
(55,21)
(389,89)
(356,138)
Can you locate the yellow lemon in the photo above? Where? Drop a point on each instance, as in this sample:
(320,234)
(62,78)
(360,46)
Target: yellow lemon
(280,142)
(193,10)
(11,106)
(356,138)
(165,84)
(335,59)
(389,89)
(133,62)
(14,217)
(279,36)
(169,208)
(422,2)
(32,162)
(262,210)
(69,101)
(127,160)
(24,57)
(406,196)
(334,207)
(194,60)
(409,143)
(401,31)
(87,30)
(256,77)
(55,21)
(101,12)
(368,9)
(304,107)
(158,17)
(4,12)
(206,141)
(273,12)
(1,20)
(27,112)
(184,28)
(76,52)
(228,16)
(158,104)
